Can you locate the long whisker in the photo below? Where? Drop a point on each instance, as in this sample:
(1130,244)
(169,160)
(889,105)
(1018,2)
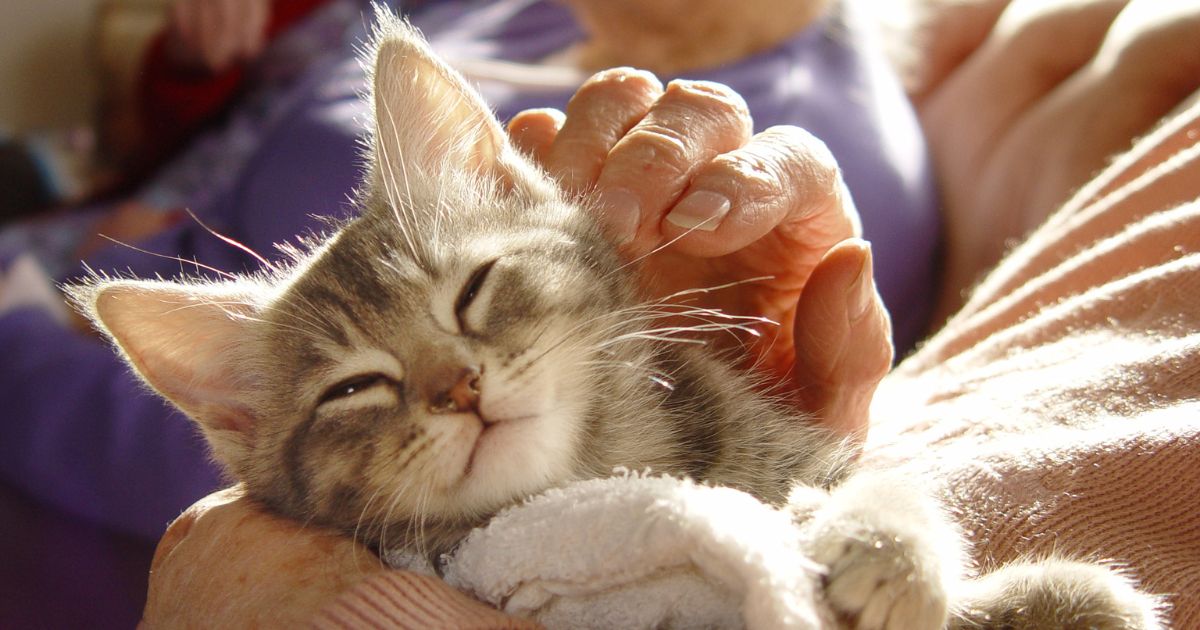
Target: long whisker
(196,263)
(266,263)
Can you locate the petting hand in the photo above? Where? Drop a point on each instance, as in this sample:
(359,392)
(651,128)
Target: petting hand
(1049,91)
(699,202)
(211,35)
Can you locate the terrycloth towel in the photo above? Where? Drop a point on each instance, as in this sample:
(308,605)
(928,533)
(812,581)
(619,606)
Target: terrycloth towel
(642,552)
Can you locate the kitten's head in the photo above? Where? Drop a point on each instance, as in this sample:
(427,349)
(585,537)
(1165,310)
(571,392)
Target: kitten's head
(435,356)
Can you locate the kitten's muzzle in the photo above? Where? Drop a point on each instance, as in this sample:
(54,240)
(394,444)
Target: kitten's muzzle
(461,396)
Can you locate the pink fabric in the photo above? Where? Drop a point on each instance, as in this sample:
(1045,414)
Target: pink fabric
(402,600)
(1059,412)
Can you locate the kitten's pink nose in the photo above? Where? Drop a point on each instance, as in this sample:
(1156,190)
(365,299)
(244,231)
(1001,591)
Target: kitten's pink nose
(462,396)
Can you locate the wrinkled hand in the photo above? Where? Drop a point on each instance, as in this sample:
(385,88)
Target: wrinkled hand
(226,562)
(686,189)
(1046,93)
(211,35)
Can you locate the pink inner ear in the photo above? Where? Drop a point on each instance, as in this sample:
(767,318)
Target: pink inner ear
(426,113)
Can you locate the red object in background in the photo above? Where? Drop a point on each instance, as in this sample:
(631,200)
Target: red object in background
(175,102)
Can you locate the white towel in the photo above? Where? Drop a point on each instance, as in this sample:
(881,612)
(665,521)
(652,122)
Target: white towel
(643,551)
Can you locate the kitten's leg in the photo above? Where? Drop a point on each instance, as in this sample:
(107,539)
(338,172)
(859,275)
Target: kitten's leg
(890,552)
(1055,594)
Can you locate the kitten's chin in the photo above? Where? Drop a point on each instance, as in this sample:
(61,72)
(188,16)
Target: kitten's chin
(486,466)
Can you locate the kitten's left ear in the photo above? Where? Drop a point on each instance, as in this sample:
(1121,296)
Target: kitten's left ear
(428,119)
(191,343)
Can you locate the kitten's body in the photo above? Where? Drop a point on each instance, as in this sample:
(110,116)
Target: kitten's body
(472,339)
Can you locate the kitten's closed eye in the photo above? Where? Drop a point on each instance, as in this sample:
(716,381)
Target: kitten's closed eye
(356,384)
(470,291)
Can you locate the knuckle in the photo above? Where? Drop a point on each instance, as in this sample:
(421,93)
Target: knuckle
(714,99)
(655,148)
(753,171)
(800,150)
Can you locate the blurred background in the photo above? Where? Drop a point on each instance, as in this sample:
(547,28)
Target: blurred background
(74,60)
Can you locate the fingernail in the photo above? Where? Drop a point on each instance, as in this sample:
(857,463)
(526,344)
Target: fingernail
(621,214)
(700,210)
(862,291)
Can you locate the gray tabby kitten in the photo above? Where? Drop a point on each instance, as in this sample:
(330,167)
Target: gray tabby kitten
(472,339)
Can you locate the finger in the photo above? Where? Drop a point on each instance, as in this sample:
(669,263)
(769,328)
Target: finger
(255,36)
(843,339)
(1035,47)
(184,40)
(946,33)
(692,123)
(604,109)
(1128,85)
(208,36)
(1151,46)
(978,122)
(233,19)
(533,132)
(181,20)
(784,175)
(223,32)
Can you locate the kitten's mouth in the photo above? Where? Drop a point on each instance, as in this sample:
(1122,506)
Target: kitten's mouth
(486,436)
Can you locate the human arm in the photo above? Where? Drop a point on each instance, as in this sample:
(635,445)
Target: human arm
(198,63)
(1038,105)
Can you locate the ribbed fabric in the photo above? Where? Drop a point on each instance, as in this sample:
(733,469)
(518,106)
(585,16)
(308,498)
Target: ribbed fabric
(1060,411)
(403,600)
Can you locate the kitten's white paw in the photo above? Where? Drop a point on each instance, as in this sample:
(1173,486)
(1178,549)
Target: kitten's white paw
(878,581)
(890,552)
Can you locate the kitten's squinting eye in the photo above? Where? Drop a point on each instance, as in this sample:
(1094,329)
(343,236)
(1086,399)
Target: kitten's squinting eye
(470,290)
(353,385)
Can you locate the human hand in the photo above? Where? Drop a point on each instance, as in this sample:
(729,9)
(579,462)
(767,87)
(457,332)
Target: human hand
(1048,92)
(699,202)
(228,563)
(271,572)
(210,35)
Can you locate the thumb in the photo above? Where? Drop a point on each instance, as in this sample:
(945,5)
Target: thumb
(843,339)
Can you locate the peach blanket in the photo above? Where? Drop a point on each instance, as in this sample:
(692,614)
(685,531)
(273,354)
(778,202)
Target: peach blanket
(1059,411)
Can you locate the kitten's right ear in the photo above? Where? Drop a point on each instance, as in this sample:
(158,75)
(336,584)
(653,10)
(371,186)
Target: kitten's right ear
(188,342)
(429,119)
